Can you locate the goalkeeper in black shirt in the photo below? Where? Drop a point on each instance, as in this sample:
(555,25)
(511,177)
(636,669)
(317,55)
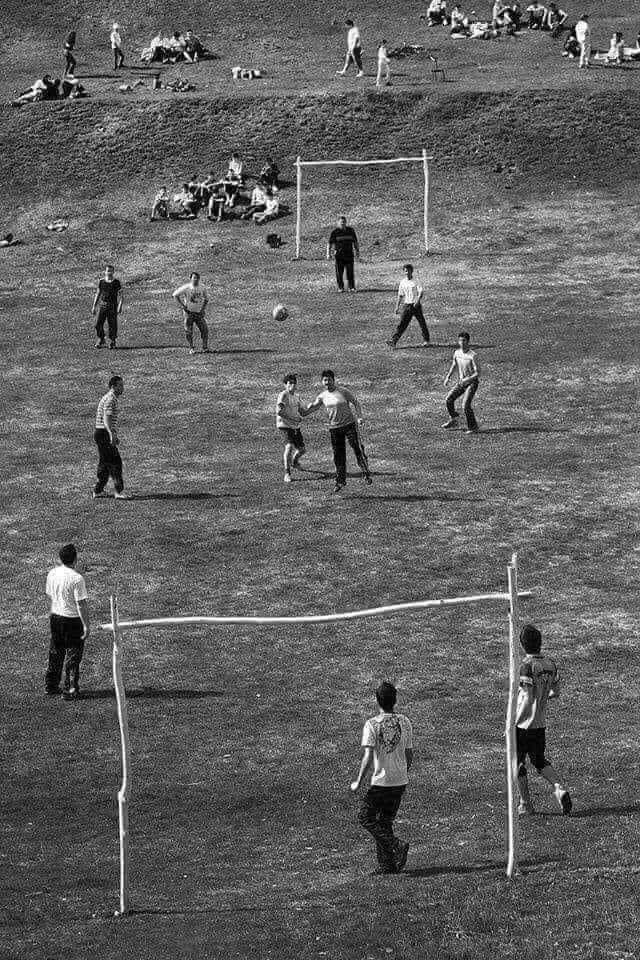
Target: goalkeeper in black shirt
(343,244)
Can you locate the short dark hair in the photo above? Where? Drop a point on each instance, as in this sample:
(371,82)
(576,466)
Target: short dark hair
(288,377)
(68,554)
(531,638)
(110,266)
(408,266)
(386,695)
(194,273)
(463,335)
(349,23)
(328,373)
(116,378)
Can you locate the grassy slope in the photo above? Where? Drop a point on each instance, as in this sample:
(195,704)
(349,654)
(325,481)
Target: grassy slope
(243,836)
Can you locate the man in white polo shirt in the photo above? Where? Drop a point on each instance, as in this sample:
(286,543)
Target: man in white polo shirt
(387,742)
(354,50)
(69,622)
(193,299)
(410,296)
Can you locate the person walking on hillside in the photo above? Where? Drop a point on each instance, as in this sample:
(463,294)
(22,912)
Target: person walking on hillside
(193,298)
(583,36)
(69,59)
(116,47)
(107,441)
(354,50)
(466,363)
(411,293)
(340,402)
(387,742)
(343,245)
(107,303)
(383,75)
(69,623)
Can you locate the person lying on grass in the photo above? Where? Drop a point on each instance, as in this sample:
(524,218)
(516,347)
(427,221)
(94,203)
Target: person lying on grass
(42,89)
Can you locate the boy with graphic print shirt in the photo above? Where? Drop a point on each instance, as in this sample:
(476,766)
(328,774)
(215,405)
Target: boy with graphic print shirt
(539,683)
(388,745)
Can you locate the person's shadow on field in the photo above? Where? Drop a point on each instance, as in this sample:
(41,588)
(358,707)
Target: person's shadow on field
(152,693)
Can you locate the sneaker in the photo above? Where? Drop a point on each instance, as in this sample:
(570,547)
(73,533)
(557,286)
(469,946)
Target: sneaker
(338,487)
(525,809)
(563,798)
(96,494)
(71,694)
(341,73)
(391,343)
(287,477)
(120,496)
(359,74)
(450,424)
(99,343)
(472,430)
(403,853)
(367,479)
(191,351)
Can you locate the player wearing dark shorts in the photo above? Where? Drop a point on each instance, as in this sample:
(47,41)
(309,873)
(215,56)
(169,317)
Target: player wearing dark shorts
(539,683)
(289,415)
(343,244)
(107,304)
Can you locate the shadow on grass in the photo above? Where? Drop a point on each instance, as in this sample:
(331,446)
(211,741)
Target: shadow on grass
(421,498)
(194,495)
(155,346)
(240,351)
(152,693)
(632,809)
(525,430)
(462,869)
(443,346)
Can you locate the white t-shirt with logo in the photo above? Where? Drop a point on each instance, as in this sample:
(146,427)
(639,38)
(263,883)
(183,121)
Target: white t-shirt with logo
(195,298)
(389,735)
(410,290)
(65,588)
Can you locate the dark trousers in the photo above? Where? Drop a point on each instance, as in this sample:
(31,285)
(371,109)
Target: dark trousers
(69,63)
(408,311)
(198,319)
(469,393)
(356,57)
(109,462)
(118,58)
(378,810)
(341,267)
(66,642)
(110,316)
(339,436)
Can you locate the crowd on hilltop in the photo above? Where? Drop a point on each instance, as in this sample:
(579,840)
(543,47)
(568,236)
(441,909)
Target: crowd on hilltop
(224,197)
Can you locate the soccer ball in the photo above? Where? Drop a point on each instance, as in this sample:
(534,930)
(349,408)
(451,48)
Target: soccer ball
(280,312)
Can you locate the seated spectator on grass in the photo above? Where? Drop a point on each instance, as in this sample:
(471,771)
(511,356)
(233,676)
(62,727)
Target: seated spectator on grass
(258,201)
(232,186)
(193,49)
(188,206)
(537,14)
(217,201)
(502,17)
(44,89)
(271,209)
(571,45)
(175,48)
(481,30)
(436,13)
(555,20)
(270,175)
(160,208)
(615,54)
(155,50)
(236,168)
(9,240)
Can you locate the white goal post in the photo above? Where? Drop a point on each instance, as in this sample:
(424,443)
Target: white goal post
(117,627)
(300,163)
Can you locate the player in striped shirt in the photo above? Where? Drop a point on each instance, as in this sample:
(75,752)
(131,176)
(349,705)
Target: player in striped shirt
(289,413)
(539,683)
(106,438)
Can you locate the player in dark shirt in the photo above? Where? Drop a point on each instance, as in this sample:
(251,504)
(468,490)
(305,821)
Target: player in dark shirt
(343,244)
(107,303)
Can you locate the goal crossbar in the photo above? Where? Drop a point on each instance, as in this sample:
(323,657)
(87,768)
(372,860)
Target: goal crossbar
(117,628)
(423,159)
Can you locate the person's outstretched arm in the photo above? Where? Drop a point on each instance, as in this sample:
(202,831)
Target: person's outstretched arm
(312,407)
(120,300)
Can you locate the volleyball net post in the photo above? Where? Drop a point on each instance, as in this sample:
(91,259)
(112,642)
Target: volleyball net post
(117,627)
(423,160)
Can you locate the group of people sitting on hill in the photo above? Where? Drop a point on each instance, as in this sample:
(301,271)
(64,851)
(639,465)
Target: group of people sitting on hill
(178,48)
(46,88)
(506,15)
(221,196)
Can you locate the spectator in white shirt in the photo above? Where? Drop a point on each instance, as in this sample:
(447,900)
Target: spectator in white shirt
(116,46)
(69,621)
(616,49)
(271,208)
(354,50)
(436,13)
(257,203)
(409,295)
(384,73)
(583,36)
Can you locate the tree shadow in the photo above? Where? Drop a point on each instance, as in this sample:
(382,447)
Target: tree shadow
(193,495)
(152,693)
(464,868)
(632,809)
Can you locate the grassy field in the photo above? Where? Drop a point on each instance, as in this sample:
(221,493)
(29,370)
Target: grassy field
(244,836)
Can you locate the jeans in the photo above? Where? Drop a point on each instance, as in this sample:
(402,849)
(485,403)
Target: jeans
(408,311)
(66,641)
(198,319)
(341,267)
(339,436)
(355,56)
(378,810)
(118,58)
(469,393)
(109,463)
(109,315)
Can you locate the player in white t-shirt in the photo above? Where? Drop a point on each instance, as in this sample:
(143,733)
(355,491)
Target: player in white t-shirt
(69,621)
(466,363)
(387,742)
(384,71)
(354,50)
(193,298)
(410,299)
(289,413)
